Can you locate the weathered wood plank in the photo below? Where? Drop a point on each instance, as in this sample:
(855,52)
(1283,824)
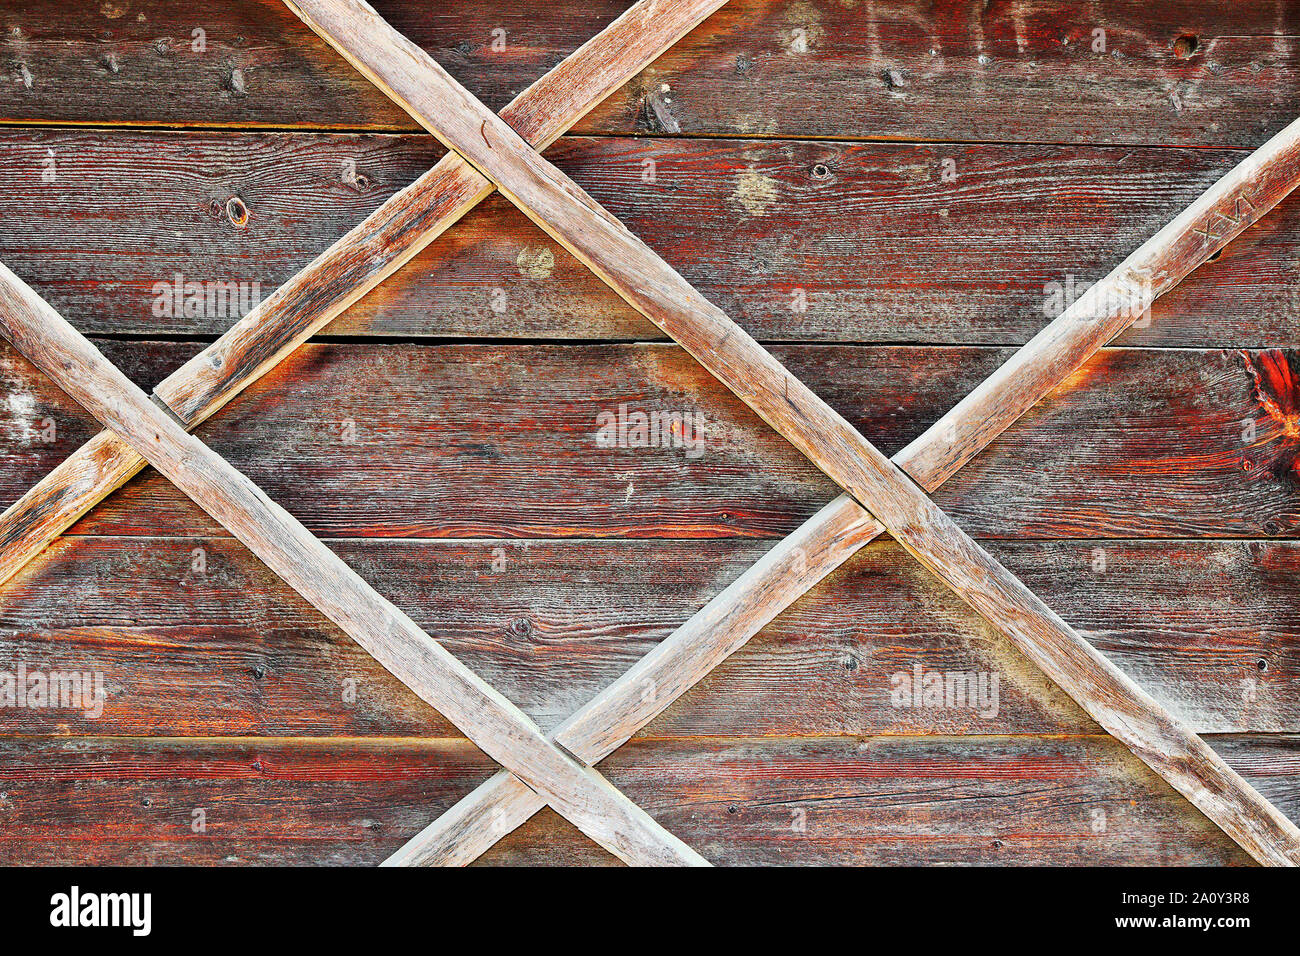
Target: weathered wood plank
(499,728)
(883,247)
(553,201)
(873,801)
(1192,72)
(503,438)
(1211,628)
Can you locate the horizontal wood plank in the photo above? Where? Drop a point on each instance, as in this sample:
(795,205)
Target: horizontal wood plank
(194,637)
(1193,72)
(746,801)
(502,441)
(884,246)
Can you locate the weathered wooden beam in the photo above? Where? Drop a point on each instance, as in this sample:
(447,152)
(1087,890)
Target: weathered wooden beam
(503,731)
(839,530)
(559,206)
(375,249)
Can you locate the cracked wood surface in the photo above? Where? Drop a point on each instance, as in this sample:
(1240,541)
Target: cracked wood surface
(257,343)
(196,638)
(495,440)
(1066,801)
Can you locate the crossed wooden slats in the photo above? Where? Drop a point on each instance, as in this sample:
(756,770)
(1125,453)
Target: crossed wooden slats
(826,540)
(145,432)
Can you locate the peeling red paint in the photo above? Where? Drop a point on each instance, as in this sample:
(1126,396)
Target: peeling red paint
(1275,385)
(1274,382)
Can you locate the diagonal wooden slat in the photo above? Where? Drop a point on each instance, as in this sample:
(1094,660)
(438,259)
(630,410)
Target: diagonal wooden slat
(499,728)
(623,262)
(369,253)
(838,531)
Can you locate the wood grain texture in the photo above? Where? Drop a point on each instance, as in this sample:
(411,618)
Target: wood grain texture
(571,217)
(503,731)
(976,801)
(1191,72)
(1234,303)
(1210,628)
(883,247)
(341,275)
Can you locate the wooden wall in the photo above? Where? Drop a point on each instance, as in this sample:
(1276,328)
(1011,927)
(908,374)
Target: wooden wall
(923,175)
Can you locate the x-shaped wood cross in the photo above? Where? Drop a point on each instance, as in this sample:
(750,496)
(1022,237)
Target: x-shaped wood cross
(487,151)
